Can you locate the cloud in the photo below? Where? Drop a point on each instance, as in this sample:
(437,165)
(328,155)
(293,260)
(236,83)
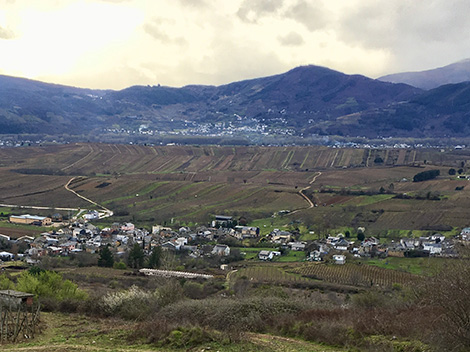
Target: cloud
(291,39)
(252,10)
(423,34)
(312,15)
(5,33)
(196,4)
(156,30)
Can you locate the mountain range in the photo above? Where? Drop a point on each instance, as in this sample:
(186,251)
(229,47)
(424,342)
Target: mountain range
(305,101)
(457,72)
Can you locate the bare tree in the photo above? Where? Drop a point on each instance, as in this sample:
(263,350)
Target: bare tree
(448,292)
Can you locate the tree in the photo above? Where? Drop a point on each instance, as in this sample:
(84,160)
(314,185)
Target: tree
(426,175)
(361,236)
(106,258)
(154,259)
(136,257)
(452,172)
(449,290)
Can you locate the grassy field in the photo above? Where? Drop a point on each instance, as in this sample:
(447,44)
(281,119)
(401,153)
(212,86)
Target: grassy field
(190,184)
(416,266)
(77,333)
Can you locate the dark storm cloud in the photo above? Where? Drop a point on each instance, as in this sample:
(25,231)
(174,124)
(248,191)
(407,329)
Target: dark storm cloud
(312,14)
(389,24)
(252,10)
(415,33)
(291,39)
(156,30)
(5,33)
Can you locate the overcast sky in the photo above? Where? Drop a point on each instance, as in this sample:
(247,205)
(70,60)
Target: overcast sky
(119,43)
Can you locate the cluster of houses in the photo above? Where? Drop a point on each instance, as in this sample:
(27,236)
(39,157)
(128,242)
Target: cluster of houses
(82,236)
(339,247)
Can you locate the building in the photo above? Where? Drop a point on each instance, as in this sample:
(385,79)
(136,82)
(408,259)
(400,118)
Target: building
(222,220)
(31,220)
(221,249)
(265,255)
(339,259)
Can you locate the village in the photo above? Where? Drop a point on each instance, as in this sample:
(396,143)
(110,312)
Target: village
(223,241)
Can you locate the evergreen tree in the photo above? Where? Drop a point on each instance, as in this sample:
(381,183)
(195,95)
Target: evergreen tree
(106,258)
(136,257)
(155,258)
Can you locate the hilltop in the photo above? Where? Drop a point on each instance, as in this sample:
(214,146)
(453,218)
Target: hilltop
(300,106)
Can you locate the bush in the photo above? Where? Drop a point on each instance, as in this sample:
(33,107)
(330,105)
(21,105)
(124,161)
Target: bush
(49,284)
(6,283)
(120,265)
(134,303)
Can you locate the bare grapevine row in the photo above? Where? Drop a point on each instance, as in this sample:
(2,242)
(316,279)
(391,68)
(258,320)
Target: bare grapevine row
(356,275)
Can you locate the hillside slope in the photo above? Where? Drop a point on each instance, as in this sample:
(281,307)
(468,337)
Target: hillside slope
(454,73)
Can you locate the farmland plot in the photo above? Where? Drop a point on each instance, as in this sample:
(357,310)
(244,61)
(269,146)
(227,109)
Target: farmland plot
(355,275)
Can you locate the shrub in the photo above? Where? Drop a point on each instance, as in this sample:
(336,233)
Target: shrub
(120,265)
(6,283)
(49,284)
(134,303)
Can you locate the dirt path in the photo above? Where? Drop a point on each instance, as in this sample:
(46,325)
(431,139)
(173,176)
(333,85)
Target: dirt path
(105,214)
(301,193)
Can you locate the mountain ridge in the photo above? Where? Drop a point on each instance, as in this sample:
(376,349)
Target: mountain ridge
(304,101)
(456,72)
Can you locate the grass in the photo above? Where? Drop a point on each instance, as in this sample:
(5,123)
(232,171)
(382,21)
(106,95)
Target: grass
(8,224)
(292,256)
(74,333)
(252,253)
(267,225)
(417,266)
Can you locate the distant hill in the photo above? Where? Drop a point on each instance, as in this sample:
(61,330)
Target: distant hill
(305,101)
(454,73)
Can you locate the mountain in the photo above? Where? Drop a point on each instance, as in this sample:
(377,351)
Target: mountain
(454,73)
(305,101)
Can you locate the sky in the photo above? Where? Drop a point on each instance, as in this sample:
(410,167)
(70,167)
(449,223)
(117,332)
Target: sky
(113,44)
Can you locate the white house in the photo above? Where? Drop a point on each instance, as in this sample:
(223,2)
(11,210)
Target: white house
(265,255)
(465,233)
(339,259)
(432,248)
(91,215)
(181,241)
(221,249)
(297,246)
(6,255)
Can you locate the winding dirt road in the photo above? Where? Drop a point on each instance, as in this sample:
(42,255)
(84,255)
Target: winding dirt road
(301,193)
(106,212)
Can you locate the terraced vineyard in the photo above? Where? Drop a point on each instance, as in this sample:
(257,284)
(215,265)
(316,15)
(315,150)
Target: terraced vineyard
(355,274)
(150,184)
(266,274)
